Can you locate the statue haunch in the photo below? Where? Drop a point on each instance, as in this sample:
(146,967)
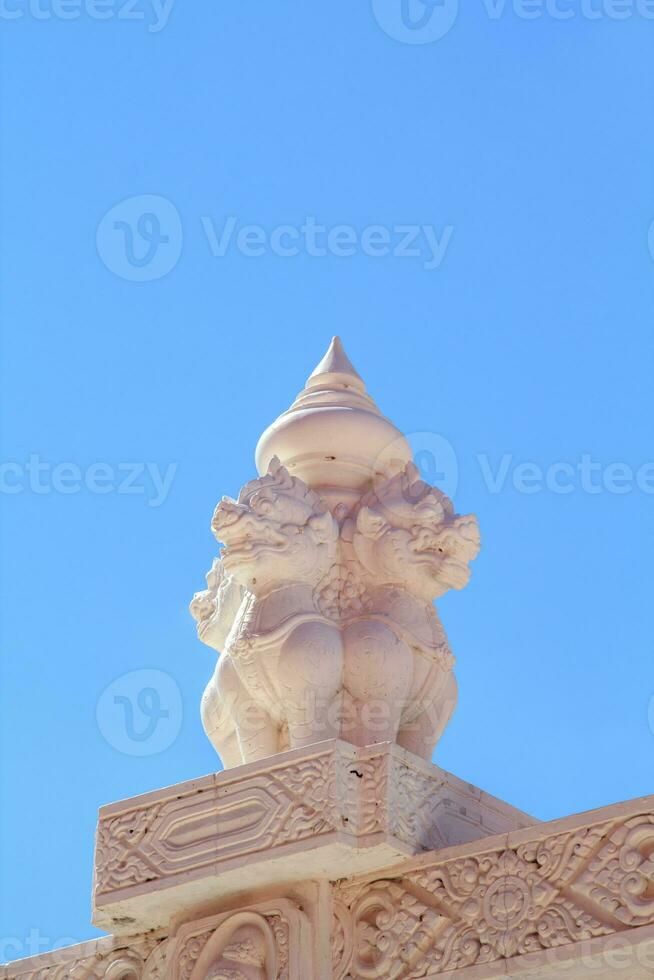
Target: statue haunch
(325,622)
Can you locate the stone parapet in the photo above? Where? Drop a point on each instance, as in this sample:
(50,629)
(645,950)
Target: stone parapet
(537,901)
(325,812)
(573,898)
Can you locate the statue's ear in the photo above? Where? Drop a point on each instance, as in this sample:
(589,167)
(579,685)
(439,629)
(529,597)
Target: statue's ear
(371,525)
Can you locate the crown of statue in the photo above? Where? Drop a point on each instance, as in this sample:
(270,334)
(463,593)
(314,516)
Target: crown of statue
(334,436)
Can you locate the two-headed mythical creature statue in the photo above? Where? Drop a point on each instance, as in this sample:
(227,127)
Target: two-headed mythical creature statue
(323,613)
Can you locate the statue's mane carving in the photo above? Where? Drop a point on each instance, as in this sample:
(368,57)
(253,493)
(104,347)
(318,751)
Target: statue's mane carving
(321,602)
(304,611)
(406,531)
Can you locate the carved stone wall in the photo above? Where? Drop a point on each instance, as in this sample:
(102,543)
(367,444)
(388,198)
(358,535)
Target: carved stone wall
(134,958)
(334,805)
(320,854)
(271,940)
(548,900)
(531,892)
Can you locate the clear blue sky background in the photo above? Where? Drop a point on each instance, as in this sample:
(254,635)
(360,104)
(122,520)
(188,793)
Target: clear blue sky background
(533,139)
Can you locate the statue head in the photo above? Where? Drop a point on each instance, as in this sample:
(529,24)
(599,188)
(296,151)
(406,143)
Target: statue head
(406,532)
(277,531)
(215,608)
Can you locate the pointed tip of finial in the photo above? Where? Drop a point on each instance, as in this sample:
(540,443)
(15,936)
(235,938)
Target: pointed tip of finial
(333,436)
(336,367)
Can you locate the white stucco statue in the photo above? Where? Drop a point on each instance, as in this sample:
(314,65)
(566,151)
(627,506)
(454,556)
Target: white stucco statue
(321,603)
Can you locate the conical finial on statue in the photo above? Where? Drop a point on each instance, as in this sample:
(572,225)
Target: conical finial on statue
(336,368)
(334,436)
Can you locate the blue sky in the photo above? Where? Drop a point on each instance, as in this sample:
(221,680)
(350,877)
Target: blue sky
(149,337)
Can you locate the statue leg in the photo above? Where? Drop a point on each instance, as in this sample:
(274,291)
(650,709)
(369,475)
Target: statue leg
(377,679)
(238,726)
(217,711)
(421,734)
(258,733)
(309,679)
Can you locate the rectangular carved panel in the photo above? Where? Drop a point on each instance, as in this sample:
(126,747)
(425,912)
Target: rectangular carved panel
(312,813)
(523,894)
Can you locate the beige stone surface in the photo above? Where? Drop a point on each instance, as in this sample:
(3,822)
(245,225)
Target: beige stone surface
(331,848)
(575,894)
(321,602)
(133,958)
(324,812)
(570,898)
(334,437)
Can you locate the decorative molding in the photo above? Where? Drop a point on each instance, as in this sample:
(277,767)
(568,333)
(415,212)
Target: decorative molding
(132,958)
(273,939)
(332,805)
(532,892)
(526,902)
(270,940)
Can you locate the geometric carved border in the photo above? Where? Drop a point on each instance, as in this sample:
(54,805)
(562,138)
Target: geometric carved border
(138,958)
(249,820)
(532,891)
(513,903)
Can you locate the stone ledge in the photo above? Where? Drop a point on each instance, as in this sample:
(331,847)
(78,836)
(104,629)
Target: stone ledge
(569,898)
(319,813)
(110,957)
(576,892)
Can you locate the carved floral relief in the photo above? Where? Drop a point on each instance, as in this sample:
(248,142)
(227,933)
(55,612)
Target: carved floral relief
(577,885)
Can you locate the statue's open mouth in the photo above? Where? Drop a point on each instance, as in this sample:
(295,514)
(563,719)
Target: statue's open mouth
(233,555)
(253,544)
(440,564)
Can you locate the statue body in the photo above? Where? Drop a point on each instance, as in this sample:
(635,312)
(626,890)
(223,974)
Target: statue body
(325,621)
